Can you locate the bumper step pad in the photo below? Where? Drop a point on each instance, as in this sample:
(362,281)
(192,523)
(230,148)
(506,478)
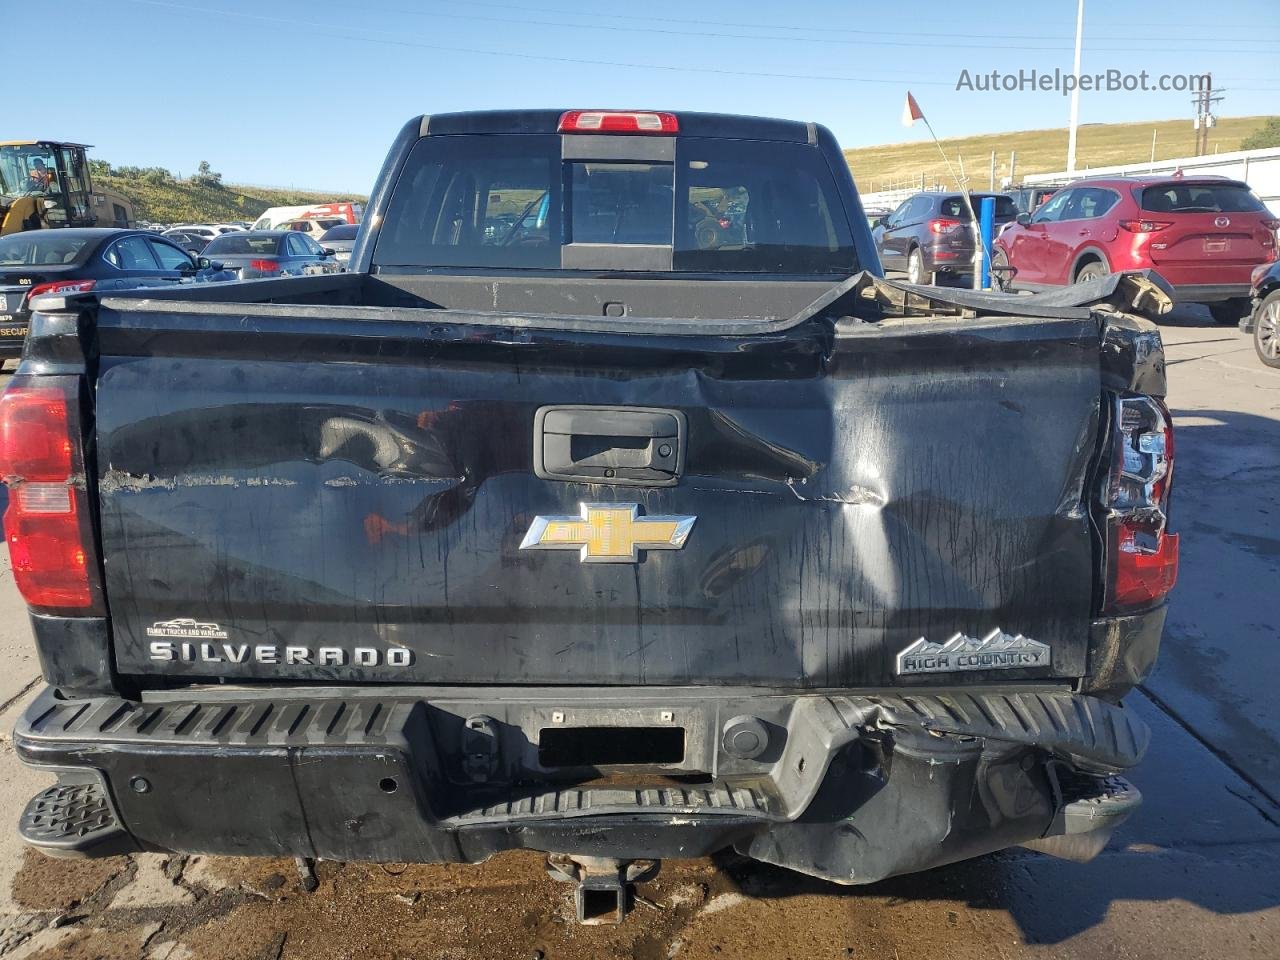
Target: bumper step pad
(74,819)
(720,798)
(1091,808)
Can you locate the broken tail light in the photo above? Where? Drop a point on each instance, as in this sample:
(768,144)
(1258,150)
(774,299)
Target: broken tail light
(47,523)
(1143,554)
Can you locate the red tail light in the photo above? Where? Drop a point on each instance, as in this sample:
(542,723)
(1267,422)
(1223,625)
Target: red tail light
(942,225)
(47,524)
(617,121)
(61,286)
(1145,226)
(265,266)
(1143,577)
(1143,554)
(1271,232)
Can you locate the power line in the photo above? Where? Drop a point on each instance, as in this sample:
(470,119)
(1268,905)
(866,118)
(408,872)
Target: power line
(396,38)
(701,34)
(344,33)
(1125,45)
(1204,100)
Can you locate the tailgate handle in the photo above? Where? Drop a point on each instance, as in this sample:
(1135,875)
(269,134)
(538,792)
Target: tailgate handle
(628,445)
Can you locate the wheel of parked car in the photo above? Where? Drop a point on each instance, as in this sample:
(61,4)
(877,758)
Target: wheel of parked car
(1266,330)
(915,268)
(1001,273)
(1091,271)
(1229,311)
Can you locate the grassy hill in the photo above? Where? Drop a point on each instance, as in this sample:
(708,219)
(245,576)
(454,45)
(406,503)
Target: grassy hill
(1039,151)
(182,201)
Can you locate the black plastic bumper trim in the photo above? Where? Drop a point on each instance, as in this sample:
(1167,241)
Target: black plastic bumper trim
(368,777)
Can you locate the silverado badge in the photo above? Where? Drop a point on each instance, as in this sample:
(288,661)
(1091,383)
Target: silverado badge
(608,533)
(996,651)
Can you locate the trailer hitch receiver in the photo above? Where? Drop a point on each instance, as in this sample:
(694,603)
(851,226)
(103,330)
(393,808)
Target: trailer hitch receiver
(604,888)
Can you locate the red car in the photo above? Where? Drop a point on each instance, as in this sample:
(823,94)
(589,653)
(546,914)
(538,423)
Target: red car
(1204,235)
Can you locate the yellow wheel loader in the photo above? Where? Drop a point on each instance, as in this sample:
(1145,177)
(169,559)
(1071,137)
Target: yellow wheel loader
(44,184)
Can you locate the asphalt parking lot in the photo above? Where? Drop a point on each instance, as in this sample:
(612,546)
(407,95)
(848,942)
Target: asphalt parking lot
(1195,874)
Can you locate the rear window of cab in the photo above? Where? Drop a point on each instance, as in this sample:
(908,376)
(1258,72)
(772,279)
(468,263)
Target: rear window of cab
(512,201)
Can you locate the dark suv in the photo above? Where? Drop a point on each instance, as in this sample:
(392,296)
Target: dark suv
(931,234)
(1028,199)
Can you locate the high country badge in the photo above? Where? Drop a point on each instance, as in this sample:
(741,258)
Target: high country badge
(996,651)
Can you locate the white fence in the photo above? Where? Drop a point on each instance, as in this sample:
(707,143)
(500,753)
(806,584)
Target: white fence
(886,199)
(1260,169)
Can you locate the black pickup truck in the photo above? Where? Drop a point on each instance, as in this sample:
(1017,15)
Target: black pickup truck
(613,506)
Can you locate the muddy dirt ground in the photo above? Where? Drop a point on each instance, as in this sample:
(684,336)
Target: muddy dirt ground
(1195,874)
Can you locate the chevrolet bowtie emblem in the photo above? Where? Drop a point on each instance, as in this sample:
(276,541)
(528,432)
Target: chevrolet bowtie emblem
(608,533)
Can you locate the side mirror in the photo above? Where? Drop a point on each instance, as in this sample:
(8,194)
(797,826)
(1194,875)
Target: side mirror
(329,251)
(1023,219)
(878,222)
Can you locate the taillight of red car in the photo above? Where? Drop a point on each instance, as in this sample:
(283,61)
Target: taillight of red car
(47,524)
(1145,226)
(1272,227)
(1142,554)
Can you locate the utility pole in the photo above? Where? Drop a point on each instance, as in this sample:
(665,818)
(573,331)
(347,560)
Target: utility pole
(993,171)
(1204,100)
(1013,167)
(1075,92)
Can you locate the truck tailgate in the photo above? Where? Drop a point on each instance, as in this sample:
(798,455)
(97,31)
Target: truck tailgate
(296,498)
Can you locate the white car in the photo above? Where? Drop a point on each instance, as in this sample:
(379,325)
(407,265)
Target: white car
(313,227)
(208,233)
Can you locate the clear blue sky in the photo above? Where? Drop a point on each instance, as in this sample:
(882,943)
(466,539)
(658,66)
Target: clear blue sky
(309,93)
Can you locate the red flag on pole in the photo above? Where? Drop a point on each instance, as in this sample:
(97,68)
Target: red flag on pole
(911,111)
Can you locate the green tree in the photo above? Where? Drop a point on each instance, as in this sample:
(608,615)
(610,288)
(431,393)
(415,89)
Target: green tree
(1268,135)
(99,168)
(206,176)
